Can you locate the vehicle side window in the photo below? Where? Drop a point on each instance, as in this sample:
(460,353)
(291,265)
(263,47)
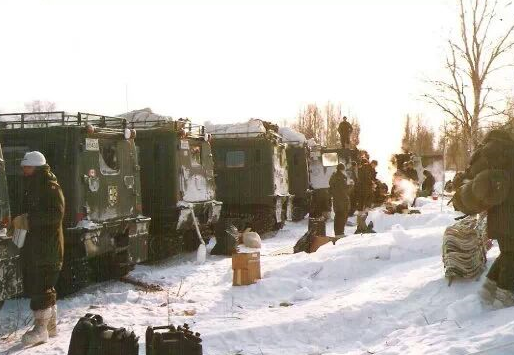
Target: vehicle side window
(235,159)
(109,157)
(196,155)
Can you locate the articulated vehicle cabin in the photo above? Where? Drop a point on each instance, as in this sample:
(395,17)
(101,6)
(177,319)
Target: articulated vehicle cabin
(322,164)
(299,179)
(10,268)
(105,233)
(251,174)
(177,179)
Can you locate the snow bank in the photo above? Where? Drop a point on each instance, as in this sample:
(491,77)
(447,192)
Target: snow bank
(373,294)
(252,128)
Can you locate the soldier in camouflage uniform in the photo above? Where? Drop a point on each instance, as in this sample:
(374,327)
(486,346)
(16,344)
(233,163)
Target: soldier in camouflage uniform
(42,253)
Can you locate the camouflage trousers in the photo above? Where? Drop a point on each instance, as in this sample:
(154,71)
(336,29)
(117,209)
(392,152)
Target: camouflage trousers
(39,284)
(502,271)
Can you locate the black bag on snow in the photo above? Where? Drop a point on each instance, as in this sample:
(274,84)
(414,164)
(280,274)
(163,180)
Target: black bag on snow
(168,340)
(91,336)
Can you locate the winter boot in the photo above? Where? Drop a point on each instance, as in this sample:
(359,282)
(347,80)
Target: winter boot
(52,323)
(39,333)
(503,298)
(488,291)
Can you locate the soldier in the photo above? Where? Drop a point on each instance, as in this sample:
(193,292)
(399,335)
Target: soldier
(42,253)
(366,184)
(345,130)
(341,200)
(497,152)
(427,187)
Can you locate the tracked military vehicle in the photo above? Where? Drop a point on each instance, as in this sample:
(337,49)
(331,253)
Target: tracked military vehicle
(323,163)
(177,178)
(297,153)
(250,164)
(105,232)
(11,283)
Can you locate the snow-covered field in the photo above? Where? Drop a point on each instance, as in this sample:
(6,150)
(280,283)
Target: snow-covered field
(371,294)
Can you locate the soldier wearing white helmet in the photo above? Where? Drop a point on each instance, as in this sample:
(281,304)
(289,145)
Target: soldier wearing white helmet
(43,250)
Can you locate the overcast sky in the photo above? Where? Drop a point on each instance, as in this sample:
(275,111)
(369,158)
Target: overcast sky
(227,61)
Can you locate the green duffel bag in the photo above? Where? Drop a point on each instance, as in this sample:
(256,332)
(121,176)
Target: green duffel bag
(491,187)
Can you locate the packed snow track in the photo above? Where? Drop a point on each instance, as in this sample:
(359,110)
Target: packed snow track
(382,293)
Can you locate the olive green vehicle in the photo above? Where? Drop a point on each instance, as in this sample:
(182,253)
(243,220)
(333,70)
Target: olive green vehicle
(11,283)
(105,232)
(177,179)
(299,180)
(252,177)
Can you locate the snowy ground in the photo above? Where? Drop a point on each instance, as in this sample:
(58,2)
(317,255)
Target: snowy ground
(372,294)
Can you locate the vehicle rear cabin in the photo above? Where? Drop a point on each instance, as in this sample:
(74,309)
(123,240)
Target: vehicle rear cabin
(251,174)
(177,178)
(97,168)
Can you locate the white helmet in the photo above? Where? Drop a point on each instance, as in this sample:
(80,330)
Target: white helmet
(34,158)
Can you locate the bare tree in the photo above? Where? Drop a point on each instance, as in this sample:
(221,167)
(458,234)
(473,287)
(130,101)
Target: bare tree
(356,133)
(333,117)
(310,122)
(471,61)
(418,137)
(40,106)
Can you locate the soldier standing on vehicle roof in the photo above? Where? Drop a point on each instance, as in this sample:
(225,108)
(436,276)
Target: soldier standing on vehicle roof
(339,191)
(345,130)
(43,250)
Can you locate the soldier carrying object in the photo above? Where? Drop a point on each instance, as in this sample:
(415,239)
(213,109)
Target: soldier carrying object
(43,250)
(339,191)
(345,130)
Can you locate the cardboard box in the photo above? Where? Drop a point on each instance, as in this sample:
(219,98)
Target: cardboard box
(317,242)
(247,268)
(242,260)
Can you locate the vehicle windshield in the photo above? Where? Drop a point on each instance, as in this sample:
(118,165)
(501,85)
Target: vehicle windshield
(329,159)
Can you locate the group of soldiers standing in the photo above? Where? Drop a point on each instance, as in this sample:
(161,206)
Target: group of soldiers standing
(355,187)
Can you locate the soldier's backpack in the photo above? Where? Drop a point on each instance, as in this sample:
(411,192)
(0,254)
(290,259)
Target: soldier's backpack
(91,336)
(168,340)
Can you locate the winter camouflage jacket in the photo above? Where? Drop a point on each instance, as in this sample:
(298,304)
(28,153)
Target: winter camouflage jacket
(497,152)
(339,190)
(44,204)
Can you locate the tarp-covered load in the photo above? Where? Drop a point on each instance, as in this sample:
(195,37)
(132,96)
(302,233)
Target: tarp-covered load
(253,128)
(292,136)
(145,116)
(465,245)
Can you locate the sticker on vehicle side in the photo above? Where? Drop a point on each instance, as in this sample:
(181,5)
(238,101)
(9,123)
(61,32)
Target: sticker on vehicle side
(92,144)
(184,144)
